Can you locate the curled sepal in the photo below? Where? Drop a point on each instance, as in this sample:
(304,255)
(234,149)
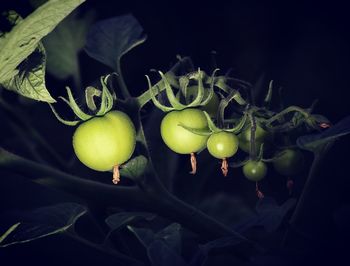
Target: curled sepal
(239,126)
(211,89)
(211,124)
(239,164)
(155,100)
(90,93)
(261,152)
(174,102)
(200,92)
(66,122)
(74,106)
(106,98)
(268,96)
(197,131)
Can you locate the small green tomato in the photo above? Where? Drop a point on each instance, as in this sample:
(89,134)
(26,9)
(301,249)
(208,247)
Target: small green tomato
(244,138)
(254,170)
(223,145)
(103,143)
(181,140)
(290,162)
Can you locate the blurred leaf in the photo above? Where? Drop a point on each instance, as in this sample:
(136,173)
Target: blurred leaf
(23,39)
(172,236)
(30,78)
(268,214)
(160,254)
(108,40)
(135,167)
(203,252)
(64,43)
(314,142)
(145,236)
(122,219)
(164,247)
(43,222)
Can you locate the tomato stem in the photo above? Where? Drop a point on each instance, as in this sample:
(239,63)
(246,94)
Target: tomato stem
(193,163)
(116,175)
(224,167)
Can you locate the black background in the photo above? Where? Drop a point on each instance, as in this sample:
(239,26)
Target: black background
(304,47)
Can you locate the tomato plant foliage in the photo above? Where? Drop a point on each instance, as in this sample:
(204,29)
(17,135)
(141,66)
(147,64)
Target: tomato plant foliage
(190,111)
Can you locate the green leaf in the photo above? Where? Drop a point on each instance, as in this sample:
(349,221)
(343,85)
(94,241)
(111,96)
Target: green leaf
(315,142)
(23,39)
(121,219)
(135,167)
(64,43)
(29,80)
(108,40)
(43,222)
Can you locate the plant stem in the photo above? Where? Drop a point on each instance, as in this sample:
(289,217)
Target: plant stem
(286,111)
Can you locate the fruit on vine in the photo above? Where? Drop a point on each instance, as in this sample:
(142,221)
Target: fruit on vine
(211,107)
(288,162)
(244,138)
(105,142)
(222,144)
(179,139)
(255,170)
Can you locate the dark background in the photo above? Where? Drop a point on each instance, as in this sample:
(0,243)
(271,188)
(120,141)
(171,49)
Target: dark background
(304,47)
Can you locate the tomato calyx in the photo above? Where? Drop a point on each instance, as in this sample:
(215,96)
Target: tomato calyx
(107,101)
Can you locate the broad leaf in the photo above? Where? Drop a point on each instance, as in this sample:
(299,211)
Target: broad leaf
(30,78)
(172,236)
(23,39)
(314,141)
(122,219)
(43,222)
(160,254)
(268,214)
(64,43)
(108,40)
(135,167)
(202,254)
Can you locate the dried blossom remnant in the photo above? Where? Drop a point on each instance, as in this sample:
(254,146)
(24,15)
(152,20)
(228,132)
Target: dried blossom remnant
(116,175)
(325,125)
(290,185)
(224,167)
(259,194)
(193,163)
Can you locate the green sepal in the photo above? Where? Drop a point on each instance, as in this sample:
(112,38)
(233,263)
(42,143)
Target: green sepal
(154,99)
(200,93)
(268,96)
(211,124)
(239,126)
(239,163)
(211,89)
(174,102)
(90,93)
(66,122)
(106,98)
(74,106)
(197,131)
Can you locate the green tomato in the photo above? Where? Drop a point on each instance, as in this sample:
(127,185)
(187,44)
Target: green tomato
(222,144)
(104,142)
(244,138)
(179,139)
(255,170)
(289,162)
(211,107)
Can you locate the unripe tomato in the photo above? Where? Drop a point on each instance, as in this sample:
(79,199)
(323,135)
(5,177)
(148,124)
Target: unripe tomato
(289,163)
(255,170)
(211,107)
(104,142)
(244,138)
(222,144)
(179,139)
